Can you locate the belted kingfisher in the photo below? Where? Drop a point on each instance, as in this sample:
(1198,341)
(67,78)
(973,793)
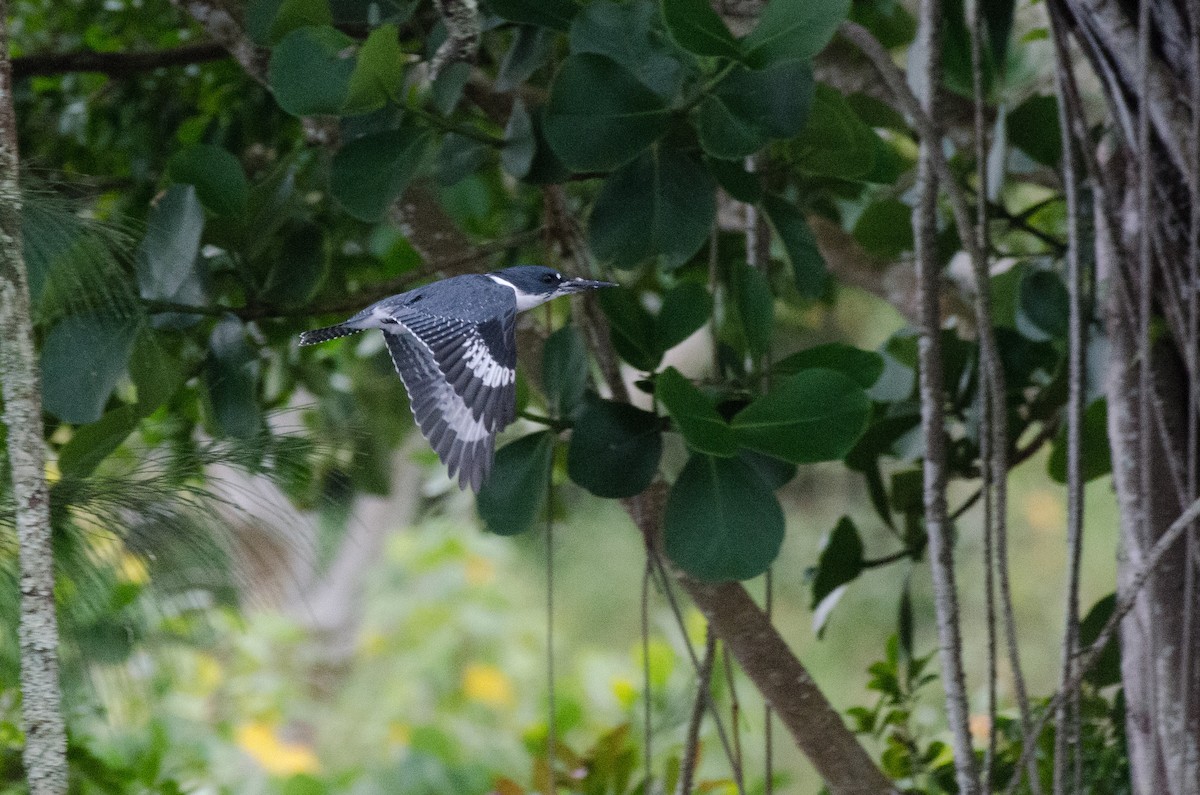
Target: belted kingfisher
(454,345)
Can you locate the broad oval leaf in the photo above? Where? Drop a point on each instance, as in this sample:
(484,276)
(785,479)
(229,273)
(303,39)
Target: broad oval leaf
(231,377)
(599,115)
(697,28)
(749,107)
(722,522)
(661,204)
(92,443)
(840,562)
(168,259)
(799,246)
(695,417)
(217,175)
(755,307)
(520,142)
(863,367)
(515,491)
(1096,453)
(815,415)
(369,173)
(310,70)
(686,307)
(631,326)
(83,357)
(378,75)
(835,142)
(1043,306)
(564,371)
(632,35)
(793,29)
(615,448)
(556,14)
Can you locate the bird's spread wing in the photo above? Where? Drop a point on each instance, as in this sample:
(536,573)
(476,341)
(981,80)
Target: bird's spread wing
(461,382)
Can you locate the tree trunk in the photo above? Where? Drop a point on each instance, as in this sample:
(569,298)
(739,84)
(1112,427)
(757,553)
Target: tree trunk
(1153,444)
(45,736)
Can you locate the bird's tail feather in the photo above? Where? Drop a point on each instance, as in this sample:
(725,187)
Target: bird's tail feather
(326,334)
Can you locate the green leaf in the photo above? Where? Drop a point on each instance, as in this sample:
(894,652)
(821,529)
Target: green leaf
(799,246)
(1107,670)
(369,173)
(632,35)
(293,14)
(378,75)
(310,71)
(528,52)
(735,179)
(520,143)
(722,522)
(614,448)
(632,327)
(885,229)
(564,371)
(83,358)
(600,116)
(793,29)
(835,142)
(556,14)
(841,560)
(168,264)
(217,175)
(686,307)
(748,108)
(300,268)
(515,491)
(998,16)
(862,367)
(815,415)
(155,372)
(1033,128)
(755,307)
(661,204)
(775,473)
(231,378)
(695,27)
(1096,453)
(702,427)
(90,444)
(1043,306)
(545,168)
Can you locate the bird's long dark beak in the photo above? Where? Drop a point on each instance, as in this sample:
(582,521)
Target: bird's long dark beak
(580,285)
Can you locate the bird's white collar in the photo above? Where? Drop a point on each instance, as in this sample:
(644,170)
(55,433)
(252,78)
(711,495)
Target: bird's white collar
(524,300)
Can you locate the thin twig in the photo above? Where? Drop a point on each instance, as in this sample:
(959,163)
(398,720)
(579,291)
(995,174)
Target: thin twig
(647,689)
(924,121)
(1066,739)
(691,745)
(932,393)
(988,408)
(551,684)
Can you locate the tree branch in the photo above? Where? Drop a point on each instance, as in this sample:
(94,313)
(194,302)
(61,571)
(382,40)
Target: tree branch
(45,752)
(932,394)
(115,64)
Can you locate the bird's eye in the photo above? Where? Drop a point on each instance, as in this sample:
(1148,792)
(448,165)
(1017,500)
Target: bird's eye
(550,278)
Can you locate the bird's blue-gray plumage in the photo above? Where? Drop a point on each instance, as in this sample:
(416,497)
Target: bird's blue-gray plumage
(453,343)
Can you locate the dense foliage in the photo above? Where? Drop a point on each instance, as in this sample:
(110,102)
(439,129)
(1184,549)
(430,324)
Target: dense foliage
(193,219)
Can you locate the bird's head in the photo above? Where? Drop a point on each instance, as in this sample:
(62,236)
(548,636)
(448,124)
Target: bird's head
(537,284)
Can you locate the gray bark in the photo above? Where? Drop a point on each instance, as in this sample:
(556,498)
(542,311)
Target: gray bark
(1148,417)
(42,721)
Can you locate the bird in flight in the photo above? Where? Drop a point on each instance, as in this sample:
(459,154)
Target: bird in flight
(454,345)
